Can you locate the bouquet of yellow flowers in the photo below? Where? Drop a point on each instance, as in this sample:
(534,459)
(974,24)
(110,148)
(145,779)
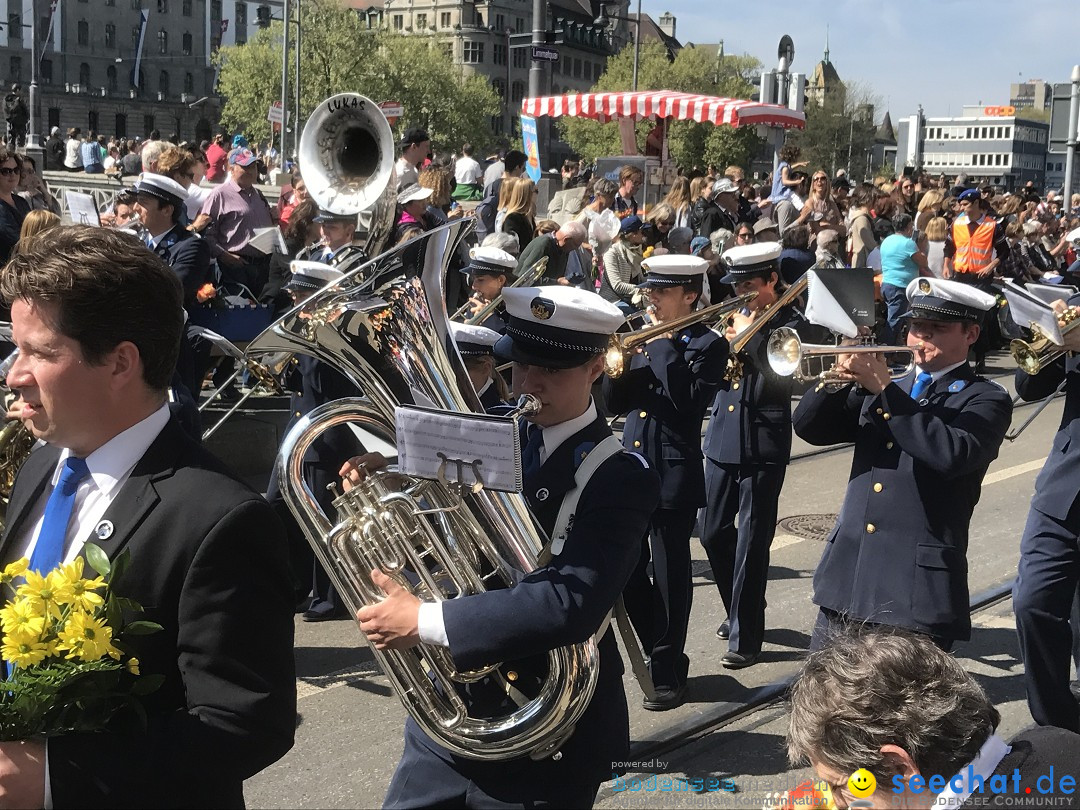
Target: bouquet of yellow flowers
(68,665)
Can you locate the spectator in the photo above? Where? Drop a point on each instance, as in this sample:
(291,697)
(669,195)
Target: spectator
(720,210)
(828,249)
(73,150)
(680,200)
(765,230)
(786,211)
(495,169)
(131,162)
(678,241)
(936,231)
(415,146)
(196,193)
(35,222)
(291,196)
(301,232)
(468,176)
(796,257)
(567,203)
(90,155)
(630,181)
(783,180)
(413,206)
(929,207)
(54,150)
(179,166)
(33,189)
(622,267)
(487,219)
(520,217)
(235,210)
(861,239)
(901,263)
(658,224)
(904,198)
(819,211)
(151,153)
(556,247)
(439,180)
(896,705)
(216,156)
(503,241)
(841,188)
(13,208)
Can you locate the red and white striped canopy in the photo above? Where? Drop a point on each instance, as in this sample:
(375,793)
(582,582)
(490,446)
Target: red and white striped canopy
(736,112)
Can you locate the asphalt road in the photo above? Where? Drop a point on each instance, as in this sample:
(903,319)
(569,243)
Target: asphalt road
(349,734)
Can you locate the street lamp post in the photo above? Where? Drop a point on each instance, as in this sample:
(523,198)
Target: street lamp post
(284,74)
(296,82)
(1070,143)
(33,136)
(603,20)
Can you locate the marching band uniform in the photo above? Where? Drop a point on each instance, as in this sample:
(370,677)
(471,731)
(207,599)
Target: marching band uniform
(492,262)
(898,553)
(1049,570)
(478,341)
(560,603)
(665,393)
(747,448)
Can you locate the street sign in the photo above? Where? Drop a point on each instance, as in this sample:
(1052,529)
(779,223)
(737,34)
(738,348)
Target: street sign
(393,110)
(540,54)
(273,115)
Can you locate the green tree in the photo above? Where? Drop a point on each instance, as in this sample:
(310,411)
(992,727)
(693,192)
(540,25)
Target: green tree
(837,128)
(246,82)
(694,70)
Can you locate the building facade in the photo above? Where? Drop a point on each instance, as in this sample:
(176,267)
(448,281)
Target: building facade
(1034,94)
(1002,151)
(88,55)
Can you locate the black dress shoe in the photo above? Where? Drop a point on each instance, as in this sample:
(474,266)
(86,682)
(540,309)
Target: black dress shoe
(666,698)
(723,632)
(323,615)
(734,660)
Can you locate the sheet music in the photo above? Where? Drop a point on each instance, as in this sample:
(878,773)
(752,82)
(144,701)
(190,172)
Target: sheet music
(268,240)
(81,208)
(1026,309)
(465,448)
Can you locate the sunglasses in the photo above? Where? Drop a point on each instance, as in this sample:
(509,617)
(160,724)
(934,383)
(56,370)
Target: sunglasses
(7,171)
(745,235)
(819,179)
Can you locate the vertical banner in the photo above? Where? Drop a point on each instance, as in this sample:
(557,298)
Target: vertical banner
(145,15)
(52,23)
(531,143)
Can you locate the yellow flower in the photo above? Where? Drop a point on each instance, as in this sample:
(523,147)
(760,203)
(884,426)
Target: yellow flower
(24,649)
(133,666)
(45,594)
(19,615)
(78,591)
(13,570)
(87,638)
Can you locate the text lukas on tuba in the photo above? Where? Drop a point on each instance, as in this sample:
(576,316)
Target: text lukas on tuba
(384,326)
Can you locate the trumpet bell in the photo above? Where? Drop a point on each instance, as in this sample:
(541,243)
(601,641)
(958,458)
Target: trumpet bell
(1029,356)
(785,351)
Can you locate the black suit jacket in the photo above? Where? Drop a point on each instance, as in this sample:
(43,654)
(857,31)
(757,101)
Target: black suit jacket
(898,553)
(208,563)
(664,395)
(189,257)
(1036,752)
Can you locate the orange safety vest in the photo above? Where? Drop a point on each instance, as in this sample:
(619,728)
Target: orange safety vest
(973,250)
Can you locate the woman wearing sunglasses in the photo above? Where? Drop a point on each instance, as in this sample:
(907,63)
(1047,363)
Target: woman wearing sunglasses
(819,211)
(13,208)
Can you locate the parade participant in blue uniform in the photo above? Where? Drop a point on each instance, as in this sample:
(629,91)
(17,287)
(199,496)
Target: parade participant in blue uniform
(665,393)
(556,337)
(314,383)
(1046,583)
(747,448)
(476,345)
(490,269)
(338,239)
(898,553)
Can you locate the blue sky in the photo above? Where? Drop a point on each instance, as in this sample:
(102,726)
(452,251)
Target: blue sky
(940,53)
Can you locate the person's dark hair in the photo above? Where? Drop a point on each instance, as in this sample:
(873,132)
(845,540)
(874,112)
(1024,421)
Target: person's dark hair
(30,160)
(467,149)
(299,221)
(204,145)
(107,288)
(789,153)
(864,196)
(74,132)
(901,221)
(797,236)
(694,285)
(155,134)
(870,688)
(514,160)
(882,227)
(488,363)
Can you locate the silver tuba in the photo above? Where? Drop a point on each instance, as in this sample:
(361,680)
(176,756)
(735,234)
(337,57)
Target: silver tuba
(384,326)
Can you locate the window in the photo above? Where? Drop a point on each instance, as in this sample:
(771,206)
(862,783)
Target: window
(15,68)
(110,78)
(189,83)
(186,43)
(135,37)
(521,58)
(215,9)
(421,22)
(110,35)
(500,23)
(162,6)
(444,19)
(499,86)
(163,82)
(136,5)
(577,68)
(148,125)
(84,32)
(92,121)
(473,53)
(399,22)
(448,51)
(14,27)
(517,92)
(1008,133)
(241,16)
(54,117)
(45,68)
(120,127)
(519,25)
(110,3)
(84,75)
(163,41)
(185,8)
(498,53)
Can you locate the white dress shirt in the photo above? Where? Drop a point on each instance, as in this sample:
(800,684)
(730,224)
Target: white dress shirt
(110,466)
(429,622)
(156,238)
(981,769)
(909,382)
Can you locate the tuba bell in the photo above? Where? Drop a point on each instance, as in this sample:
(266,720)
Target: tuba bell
(384,326)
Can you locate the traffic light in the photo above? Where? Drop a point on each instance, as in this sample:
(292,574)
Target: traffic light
(262,17)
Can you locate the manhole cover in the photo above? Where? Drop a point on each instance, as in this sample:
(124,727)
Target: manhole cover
(812,527)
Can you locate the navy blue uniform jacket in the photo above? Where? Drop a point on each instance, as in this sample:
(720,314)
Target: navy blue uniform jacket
(898,553)
(189,257)
(751,418)
(315,383)
(665,394)
(566,601)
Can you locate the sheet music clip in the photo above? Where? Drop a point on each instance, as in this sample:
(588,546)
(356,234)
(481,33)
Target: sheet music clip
(459,483)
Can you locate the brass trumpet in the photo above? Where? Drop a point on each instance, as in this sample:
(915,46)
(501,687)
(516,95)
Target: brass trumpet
(526,279)
(734,371)
(815,362)
(1034,355)
(622,346)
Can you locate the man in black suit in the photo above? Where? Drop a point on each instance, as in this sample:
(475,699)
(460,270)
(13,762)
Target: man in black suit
(664,393)
(895,704)
(556,337)
(97,320)
(898,553)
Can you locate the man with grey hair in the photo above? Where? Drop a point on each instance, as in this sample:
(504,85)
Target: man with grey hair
(893,704)
(557,247)
(679,241)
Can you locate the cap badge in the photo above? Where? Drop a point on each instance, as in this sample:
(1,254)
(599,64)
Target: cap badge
(924,286)
(542,308)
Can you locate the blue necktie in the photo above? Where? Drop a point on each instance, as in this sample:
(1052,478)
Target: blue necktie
(49,550)
(922,382)
(530,456)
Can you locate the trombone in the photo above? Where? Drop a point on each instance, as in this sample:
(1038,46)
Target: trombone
(734,371)
(622,346)
(526,279)
(1034,355)
(816,362)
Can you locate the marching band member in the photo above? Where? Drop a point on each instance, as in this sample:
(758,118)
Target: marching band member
(747,448)
(338,239)
(476,345)
(1046,582)
(898,553)
(665,394)
(556,337)
(490,269)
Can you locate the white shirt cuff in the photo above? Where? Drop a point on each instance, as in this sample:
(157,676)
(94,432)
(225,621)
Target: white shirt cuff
(430,624)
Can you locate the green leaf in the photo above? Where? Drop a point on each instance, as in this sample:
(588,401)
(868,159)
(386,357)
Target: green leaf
(141,628)
(146,684)
(119,566)
(129,605)
(98,559)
